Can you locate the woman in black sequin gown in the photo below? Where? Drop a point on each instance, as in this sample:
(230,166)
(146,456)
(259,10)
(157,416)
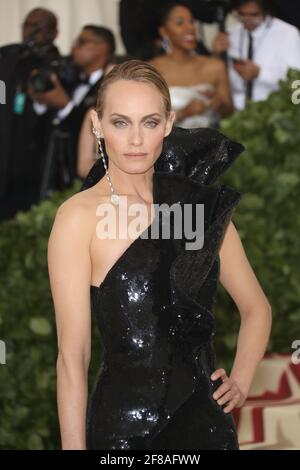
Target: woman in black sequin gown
(154,305)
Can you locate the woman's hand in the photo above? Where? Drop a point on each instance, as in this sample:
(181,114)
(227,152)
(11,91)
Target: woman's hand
(215,100)
(194,108)
(229,392)
(221,43)
(248,70)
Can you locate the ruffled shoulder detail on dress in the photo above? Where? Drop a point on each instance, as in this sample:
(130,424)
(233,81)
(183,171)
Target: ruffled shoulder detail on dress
(191,161)
(191,266)
(191,272)
(202,154)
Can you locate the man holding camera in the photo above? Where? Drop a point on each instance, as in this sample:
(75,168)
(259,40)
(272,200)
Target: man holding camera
(91,53)
(22,131)
(47,99)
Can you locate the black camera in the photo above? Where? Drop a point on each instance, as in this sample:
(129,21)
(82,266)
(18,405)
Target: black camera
(36,64)
(40,80)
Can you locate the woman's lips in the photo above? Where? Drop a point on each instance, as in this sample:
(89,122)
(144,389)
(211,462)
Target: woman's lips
(135,155)
(189,38)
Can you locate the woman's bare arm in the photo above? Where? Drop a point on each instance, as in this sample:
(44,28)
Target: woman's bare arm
(70,273)
(238,278)
(86,147)
(225,105)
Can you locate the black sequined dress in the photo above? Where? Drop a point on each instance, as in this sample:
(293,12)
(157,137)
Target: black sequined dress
(154,310)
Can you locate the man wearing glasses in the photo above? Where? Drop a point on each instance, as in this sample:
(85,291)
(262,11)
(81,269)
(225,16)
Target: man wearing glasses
(260,48)
(92,51)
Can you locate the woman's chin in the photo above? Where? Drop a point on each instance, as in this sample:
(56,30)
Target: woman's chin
(136,168)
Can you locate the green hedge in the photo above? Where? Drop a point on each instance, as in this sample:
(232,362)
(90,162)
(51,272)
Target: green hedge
(268,216)
(268,221)
(28,410)
(27,382)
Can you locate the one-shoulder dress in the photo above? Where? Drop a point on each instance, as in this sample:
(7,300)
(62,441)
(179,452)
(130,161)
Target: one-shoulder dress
(154,310)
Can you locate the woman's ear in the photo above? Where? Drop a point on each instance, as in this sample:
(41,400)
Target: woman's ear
(162,32)
(95,120)
(170,122)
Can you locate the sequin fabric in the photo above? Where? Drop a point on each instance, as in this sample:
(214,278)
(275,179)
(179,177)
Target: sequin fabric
(154,311)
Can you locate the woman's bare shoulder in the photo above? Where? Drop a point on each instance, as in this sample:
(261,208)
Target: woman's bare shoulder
(76,215)
(209,61)
(85,201)
(159,62)
(155,60)
(75,206)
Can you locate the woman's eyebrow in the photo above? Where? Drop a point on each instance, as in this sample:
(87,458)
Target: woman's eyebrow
(128,118)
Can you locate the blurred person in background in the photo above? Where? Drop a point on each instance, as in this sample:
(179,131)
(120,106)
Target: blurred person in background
(261,49)
(199,86)
(138,24)
(22,130)
(92,52)
(40,28)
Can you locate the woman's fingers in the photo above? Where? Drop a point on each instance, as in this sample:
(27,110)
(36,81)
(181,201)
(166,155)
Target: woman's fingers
(225,387)
(228,393)
(232,404)
(225,398)
(219,373)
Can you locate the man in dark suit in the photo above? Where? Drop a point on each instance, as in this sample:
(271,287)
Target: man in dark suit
(92,52)
(21,129)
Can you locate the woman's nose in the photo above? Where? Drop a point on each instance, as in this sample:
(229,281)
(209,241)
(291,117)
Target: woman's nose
(136,137)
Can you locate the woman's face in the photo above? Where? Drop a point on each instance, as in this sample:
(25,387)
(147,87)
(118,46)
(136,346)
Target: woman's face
(180,29)
(134,124)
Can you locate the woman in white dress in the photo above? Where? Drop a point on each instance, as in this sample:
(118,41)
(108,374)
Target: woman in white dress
(199,86)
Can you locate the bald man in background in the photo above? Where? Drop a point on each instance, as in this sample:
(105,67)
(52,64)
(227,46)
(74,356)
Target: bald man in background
(22,130)
(39,25)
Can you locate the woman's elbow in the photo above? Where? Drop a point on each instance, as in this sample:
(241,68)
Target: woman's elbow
(269,312)
(264,311)
(259,309)
(266,306)
(72,364)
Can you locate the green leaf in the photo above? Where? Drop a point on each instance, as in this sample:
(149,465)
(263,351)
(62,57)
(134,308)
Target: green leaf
(40,326)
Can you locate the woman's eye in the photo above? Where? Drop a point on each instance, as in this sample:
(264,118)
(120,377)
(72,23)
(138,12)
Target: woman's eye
(123,124)
(119,123)
(152,123)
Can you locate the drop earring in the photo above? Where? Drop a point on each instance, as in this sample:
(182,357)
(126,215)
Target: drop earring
(114,196)
(166,45)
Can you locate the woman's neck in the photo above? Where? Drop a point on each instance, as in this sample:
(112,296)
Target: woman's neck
(136,185)
(181,56)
